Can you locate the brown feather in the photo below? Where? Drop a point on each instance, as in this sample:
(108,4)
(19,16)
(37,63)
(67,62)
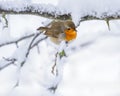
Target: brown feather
(43,28)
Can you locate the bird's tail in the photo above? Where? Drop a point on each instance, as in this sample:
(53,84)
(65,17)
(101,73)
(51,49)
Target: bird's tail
(43,28)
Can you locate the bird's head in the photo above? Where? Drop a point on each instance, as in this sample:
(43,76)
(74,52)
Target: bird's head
(70,30)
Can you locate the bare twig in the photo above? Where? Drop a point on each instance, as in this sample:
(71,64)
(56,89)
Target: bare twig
(60,55)
(108,24)
(55,63)
(5,19)
(53,88)
(16,40)
(36,35)
(38,49)
(29,48)
(38,41)
(10,61)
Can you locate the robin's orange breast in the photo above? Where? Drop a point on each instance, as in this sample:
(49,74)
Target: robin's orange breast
(70,34)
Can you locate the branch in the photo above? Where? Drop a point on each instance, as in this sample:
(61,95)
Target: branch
(53,71)
(16,40)
(7,62)
(53,12)
(43,10)
(29,48)
(107,16)
(38,41)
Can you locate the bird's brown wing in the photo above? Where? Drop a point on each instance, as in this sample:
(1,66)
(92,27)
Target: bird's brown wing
(52,33)
(53,30)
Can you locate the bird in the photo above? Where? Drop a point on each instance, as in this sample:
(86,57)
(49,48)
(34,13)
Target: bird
(60,30)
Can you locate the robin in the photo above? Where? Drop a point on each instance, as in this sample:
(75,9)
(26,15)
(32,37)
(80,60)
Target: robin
(59,30)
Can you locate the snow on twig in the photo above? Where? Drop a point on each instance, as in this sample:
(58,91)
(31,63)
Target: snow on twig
(30,47)
(6,62)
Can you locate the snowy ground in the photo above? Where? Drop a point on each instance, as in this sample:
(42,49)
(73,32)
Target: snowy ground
(91,69)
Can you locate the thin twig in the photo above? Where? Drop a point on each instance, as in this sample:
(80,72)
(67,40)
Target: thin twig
(5,19)
(10,61)
(16,40)
(53,88)
(29,48)
(53,67)
(27,54)
(36,35)
(38,41)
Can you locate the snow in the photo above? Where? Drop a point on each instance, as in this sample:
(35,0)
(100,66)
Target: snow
(92,65)
(21,6)
(93,70)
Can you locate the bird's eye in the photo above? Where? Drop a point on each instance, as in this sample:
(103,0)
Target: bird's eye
(68,29)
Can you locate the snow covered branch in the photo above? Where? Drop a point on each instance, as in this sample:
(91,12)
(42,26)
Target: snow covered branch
(107,16)
(34,42)
(48,11)
(53,12)
(102,16)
